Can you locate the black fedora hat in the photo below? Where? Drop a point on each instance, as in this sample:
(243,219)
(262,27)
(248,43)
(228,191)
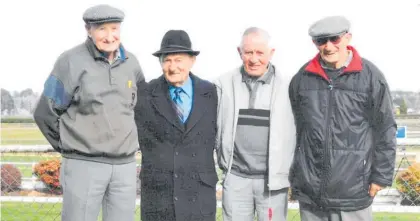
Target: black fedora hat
(176,41)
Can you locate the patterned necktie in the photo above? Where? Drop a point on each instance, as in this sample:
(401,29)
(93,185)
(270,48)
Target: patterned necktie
(178,103)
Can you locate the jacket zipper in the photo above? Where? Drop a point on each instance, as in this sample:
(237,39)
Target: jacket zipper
(327,141)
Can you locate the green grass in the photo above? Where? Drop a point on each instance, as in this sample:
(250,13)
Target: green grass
(12,157)
(24,134)
(24,142)
(25,170)
(11,211)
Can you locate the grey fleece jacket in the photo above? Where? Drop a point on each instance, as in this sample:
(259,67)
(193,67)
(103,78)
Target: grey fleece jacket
(86,108)
(282,135)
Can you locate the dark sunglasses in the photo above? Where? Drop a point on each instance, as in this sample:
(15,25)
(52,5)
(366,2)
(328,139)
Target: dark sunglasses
(333,39)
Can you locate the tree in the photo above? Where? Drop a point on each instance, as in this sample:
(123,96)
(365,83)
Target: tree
(27,92)
(403,107)
(28,101)
(7,102)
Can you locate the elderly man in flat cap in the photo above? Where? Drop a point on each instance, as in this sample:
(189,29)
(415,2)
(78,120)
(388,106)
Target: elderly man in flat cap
(86,112)
(254,149)
(345,129)
(176,121)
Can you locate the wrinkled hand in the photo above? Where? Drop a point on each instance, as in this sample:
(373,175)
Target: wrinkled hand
(374,189)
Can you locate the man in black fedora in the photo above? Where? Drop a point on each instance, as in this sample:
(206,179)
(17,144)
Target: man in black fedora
(176,120)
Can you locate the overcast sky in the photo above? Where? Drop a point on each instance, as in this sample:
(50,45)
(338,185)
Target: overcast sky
(34,33)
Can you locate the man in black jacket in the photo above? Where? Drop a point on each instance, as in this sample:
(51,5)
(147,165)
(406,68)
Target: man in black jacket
(176,118)
(345,126)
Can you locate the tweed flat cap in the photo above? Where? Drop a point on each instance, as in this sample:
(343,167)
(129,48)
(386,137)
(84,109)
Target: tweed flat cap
(329,26)
(103,13)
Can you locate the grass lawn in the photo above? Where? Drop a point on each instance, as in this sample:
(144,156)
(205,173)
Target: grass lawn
(24,134)
(28,157)
(11,211)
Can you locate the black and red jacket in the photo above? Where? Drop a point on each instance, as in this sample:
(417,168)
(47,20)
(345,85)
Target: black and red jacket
(345,134)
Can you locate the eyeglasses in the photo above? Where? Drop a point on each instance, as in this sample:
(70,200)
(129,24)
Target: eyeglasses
(333,39)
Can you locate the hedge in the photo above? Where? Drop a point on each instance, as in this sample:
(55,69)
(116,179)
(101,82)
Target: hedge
(17,120)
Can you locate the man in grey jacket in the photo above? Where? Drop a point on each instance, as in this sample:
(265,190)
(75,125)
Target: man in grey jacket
(86,114)
(256,134)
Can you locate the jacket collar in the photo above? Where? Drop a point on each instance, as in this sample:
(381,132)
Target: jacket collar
(314,66)
(163,104)
(199,87)
(265,78)
(96,54)
(187,87)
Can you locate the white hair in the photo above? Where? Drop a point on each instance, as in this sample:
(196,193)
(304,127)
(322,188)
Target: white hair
(162,58)
(257,31)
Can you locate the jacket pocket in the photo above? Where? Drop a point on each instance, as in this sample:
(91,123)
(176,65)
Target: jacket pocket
(207,193)
(209,179)
(346,175)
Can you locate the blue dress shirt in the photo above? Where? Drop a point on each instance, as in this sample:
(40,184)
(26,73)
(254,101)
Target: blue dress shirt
(186,97)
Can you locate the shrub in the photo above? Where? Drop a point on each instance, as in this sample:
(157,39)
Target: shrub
(408,183)
(17,120)
(11,178)
(48,172)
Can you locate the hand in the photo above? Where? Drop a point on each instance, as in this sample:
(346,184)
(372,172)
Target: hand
(374,189)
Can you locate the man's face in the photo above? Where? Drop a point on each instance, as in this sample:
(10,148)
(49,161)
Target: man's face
(255,54)
(176,67)
(106,36)
(333,49)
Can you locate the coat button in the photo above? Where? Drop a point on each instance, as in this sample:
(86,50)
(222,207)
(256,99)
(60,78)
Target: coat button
(176,175)
(175,198)
(176,153)
(193,154)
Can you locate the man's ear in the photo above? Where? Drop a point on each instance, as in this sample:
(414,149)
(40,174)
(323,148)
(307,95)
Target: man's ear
(87,27)
(272,52)
(239,51)
(193,59)
(349,36)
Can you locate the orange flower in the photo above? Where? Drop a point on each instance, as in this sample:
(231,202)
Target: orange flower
(48,172)
(408,182)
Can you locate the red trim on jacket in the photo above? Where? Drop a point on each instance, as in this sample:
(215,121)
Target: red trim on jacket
(355,65)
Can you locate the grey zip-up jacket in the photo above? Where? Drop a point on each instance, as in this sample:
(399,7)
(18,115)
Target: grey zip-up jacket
(86,109)
(282,135)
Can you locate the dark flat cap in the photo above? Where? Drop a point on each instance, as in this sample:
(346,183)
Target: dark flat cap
(329,26)
(103,13)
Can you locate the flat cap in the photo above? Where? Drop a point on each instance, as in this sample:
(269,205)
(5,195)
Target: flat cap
(103,13)
(329,26)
